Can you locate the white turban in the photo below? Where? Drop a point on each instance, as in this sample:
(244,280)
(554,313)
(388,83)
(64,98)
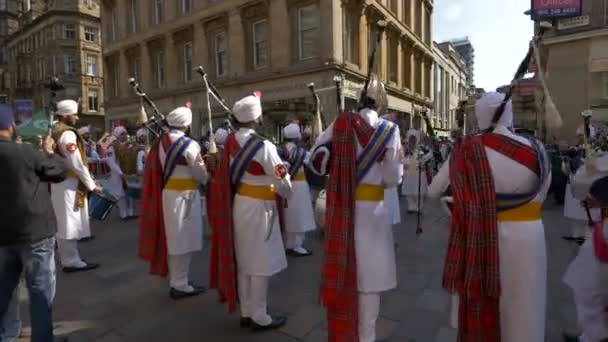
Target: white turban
(220,136)
(486,106)
(67,107)
(118,131)
(180,117)
(247,109)
(84,130)
(292,131)
(142,132)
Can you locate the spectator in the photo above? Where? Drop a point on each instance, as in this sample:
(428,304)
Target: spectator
(27,225)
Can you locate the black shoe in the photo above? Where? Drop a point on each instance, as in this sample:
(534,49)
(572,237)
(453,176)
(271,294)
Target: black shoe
(570,338)
(89,266)
(60,339)
(294,253)
(88,238)
(177,294)
(277,322)
(245,322)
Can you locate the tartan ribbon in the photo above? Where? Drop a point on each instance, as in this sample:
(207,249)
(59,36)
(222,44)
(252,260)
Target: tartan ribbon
(176,150)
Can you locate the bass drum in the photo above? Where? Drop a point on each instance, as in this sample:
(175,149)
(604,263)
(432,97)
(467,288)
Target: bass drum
(320,208)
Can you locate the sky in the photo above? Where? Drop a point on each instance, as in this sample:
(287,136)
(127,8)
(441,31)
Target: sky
(498,29)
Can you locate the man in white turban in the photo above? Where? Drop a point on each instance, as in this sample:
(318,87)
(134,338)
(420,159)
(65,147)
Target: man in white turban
(247,242)
(371,146)
(171,185)
(70,196)
(121,159)
(498,181)
(299,215)
(415,182)
(142,149)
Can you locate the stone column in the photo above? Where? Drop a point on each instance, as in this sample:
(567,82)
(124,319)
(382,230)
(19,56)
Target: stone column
(363,38)
(123,68)
(400,61)
(171,67)
(146,73)
(279,35)
(236,44)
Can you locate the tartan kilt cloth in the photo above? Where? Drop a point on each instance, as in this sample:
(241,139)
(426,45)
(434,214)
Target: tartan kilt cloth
(152,238)
(471,264)
(222,268)
(339,287)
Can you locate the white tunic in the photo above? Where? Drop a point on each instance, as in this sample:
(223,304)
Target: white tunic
(391,198)
(254,217)
(411,176)
(374,243)
(182,209)
(114,185)
(72,222)
(522,251)
(299,215)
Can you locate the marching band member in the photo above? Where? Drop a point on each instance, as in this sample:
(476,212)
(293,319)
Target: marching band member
(359,261)
(174,230)
(498,181)
(411,178)
(246,239)
(70,196)
(142,149)
(299,215)
(122,163)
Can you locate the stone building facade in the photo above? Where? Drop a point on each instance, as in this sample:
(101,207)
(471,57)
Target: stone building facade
(577,65)
(60,38)
(450,86)
(275,46)
(9,11)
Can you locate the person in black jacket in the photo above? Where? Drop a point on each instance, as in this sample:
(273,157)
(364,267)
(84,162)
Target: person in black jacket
(27,224)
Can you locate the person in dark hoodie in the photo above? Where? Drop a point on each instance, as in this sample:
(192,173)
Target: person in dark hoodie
(27,224)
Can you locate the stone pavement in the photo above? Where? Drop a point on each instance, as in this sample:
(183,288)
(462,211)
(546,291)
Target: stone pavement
(121,302)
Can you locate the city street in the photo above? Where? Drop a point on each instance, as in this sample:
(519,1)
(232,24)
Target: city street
(121,302)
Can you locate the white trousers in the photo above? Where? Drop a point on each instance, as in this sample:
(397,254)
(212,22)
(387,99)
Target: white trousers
(253,294)
(294,240)
(68,253)
(412,202)
(126,207)
(369,309)
(179,268)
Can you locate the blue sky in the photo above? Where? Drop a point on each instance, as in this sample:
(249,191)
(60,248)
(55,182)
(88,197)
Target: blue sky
(499,30)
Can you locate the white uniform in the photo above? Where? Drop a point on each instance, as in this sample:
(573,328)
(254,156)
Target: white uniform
(72,222)
(374,243)
(115,185)
(522,251)
(256,258)
(410,182)
(183,213)
(299,215)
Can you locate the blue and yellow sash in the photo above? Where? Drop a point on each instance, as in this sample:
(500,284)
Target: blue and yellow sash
(296,161)
(173,154)
(243,158)
(374,149)
(506,202)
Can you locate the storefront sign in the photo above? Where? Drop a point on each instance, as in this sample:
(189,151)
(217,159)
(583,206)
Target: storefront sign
(549,9)
(23,110)
(570,23)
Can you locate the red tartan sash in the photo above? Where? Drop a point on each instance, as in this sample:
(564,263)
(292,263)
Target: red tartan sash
(152,239)
(521,153)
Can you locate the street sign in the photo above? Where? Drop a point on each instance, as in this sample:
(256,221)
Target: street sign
(552,9)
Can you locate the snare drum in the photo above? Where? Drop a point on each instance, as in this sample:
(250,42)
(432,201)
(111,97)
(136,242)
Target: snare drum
(100,205)
(133,185)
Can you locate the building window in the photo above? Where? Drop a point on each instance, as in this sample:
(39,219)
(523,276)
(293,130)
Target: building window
(188,62)
(159,69)
(41,71)
(69,31)
(220,54)
(116,77)
(427,25)
(407,67)
(308,31)
(93,100)
(69,64)
(158,11)
(186,6)
(92,65)
(90,34)
(134,67)
(113,26)
(132,18)
(260,44)
(351,33)
(394,6)
(419,15)
(393,57)
(407,12)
